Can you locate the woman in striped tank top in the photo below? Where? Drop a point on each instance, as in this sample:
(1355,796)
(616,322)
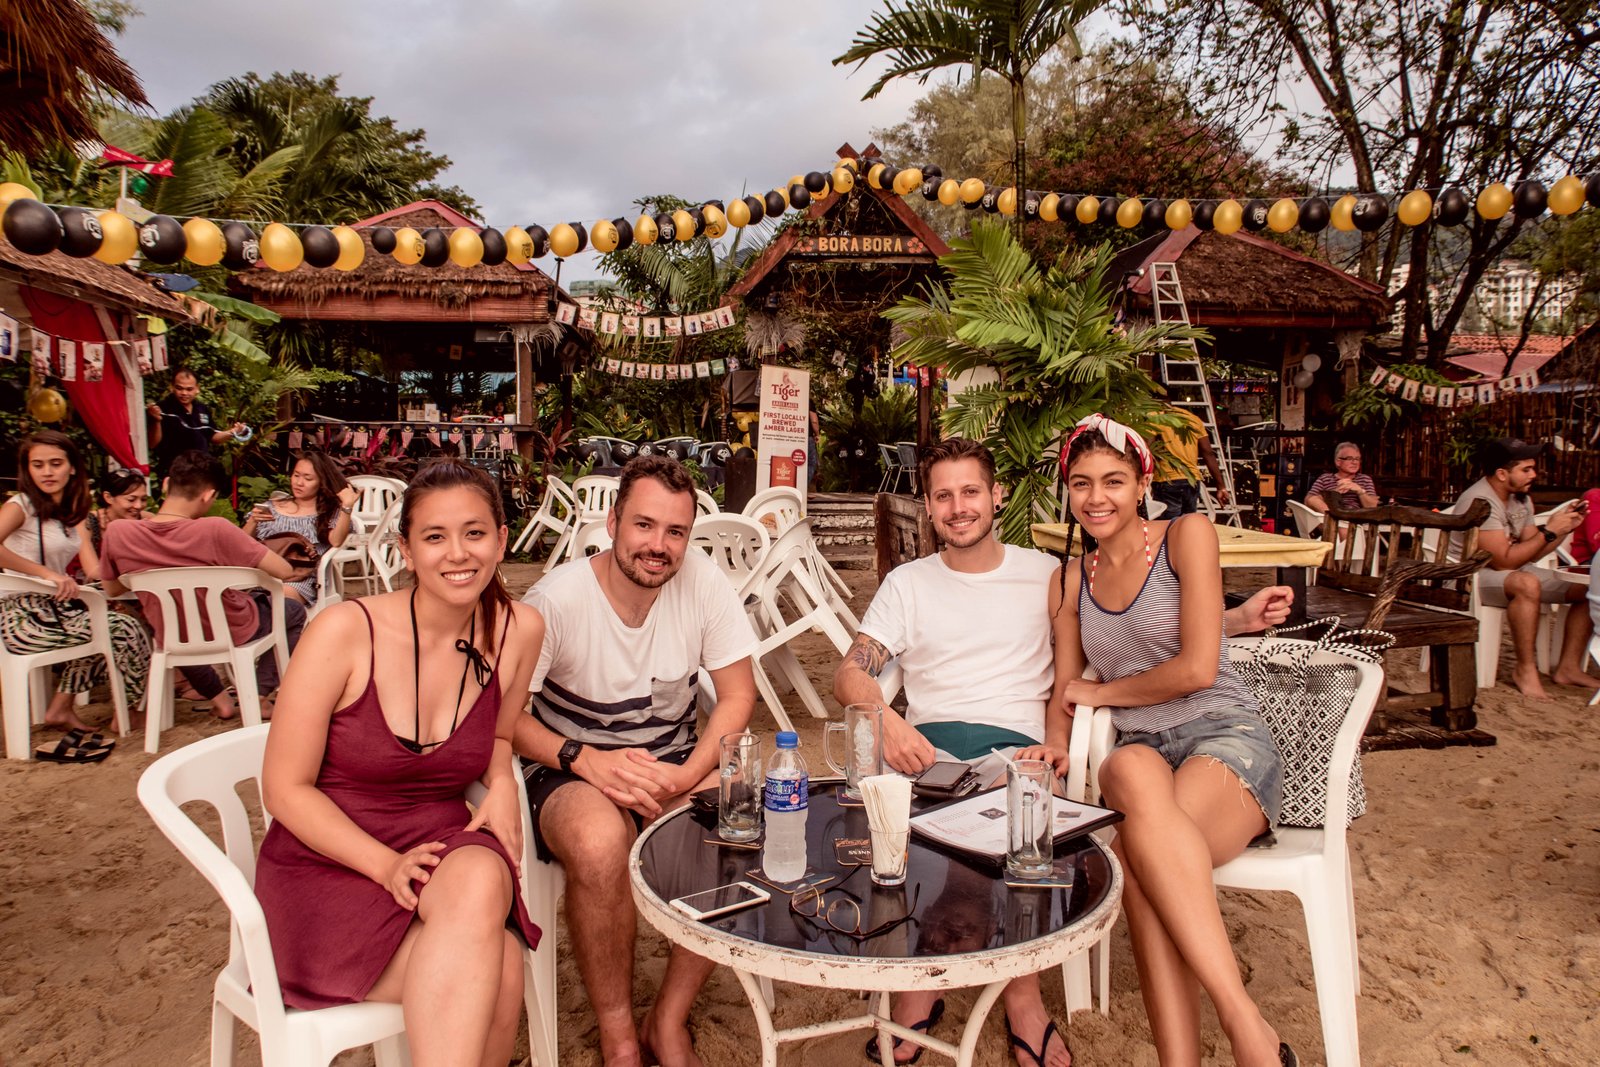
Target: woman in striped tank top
(1194,770)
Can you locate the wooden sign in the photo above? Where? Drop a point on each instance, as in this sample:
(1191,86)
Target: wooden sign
(862,245)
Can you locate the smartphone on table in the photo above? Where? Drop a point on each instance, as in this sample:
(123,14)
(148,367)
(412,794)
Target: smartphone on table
(723,900)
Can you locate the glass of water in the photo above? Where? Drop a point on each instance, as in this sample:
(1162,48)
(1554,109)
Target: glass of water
(1030,842)
(739,788)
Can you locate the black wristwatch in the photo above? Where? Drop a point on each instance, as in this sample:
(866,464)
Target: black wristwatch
(568,753)
(1549,538)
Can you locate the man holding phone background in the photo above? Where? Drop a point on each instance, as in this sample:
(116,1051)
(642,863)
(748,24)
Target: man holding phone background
(970,628)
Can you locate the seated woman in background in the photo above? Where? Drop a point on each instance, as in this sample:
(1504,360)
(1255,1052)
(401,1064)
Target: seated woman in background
(1585,543)
(317,508)
(39,537)
(1194,769)
(123,495)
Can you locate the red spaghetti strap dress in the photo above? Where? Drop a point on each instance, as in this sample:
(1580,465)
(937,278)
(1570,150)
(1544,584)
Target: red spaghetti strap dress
(333,929)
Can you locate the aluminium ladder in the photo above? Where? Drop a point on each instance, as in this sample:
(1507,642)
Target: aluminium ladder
(1185,379)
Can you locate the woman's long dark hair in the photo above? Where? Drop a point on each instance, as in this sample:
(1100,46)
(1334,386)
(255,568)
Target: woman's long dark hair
(1082,445)
(450,473)
(75,502)
(329,482)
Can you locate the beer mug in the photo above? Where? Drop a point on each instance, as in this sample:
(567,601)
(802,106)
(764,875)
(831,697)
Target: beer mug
(862,730)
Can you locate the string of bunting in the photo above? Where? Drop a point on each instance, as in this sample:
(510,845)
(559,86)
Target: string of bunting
(1452,396)
(36,228)
(71,360)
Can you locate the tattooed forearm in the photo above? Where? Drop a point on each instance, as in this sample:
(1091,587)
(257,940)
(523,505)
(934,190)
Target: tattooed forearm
(867,654)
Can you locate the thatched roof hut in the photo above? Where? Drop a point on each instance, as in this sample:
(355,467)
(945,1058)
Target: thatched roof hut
(53,61)
(90,281)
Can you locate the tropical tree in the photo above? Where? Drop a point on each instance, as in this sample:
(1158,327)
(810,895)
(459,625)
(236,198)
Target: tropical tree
(1058,355)
(1006,37)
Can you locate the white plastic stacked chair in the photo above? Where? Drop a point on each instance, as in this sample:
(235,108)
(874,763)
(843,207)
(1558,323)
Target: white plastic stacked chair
(194,630)
(785,506)
(705,503)
(25,677)
(595,493)
(557,510)
(735,543)
(589,540)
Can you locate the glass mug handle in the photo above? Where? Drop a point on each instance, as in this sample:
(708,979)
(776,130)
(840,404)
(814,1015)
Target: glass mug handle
(829,731)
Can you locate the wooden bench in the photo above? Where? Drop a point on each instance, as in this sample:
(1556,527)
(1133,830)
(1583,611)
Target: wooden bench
(1413,591)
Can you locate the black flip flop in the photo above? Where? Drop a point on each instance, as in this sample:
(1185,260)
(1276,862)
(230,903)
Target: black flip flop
(66,751)
(86,739)
(1050,1030)
(1287,1056)
(934,1015)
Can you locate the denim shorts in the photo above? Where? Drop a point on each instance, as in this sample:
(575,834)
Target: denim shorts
(1234,737)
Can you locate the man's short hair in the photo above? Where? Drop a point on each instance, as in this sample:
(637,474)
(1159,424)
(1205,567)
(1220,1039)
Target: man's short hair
(185,370)
(954,448)
(1342,445)
(193,472)
(672,475)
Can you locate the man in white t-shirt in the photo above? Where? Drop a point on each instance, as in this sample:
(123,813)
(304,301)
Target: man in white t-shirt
(970,628)
(612,740)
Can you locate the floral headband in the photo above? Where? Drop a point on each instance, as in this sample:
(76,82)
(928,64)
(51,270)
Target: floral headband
(1124,439)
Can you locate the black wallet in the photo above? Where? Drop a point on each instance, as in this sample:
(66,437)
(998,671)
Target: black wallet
(945,780)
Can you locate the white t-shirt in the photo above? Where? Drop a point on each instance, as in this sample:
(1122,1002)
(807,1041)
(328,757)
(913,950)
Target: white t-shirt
(975,648)
(611,685)
(61,542)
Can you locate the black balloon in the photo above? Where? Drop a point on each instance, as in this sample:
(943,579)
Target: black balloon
(435,247)
(1591,190)
(382,240)
(81,235)
(990,199)
(1030,204)
(1255,214)
(932,170)
(1314,215)
(1204,212)
(1067,208)
(930,189)
(240,249)
(32,227)
(816,181)
(1108,211)
(1369,212)
(1452,207)
(162,240)
(886,176)
(494,246)
(624,233)
(583,235)
(1155,214)
(321,246)
(972,205)
(775,204)
(1528,199)
(798,196)
(539,237)
(757,206)
(666,229)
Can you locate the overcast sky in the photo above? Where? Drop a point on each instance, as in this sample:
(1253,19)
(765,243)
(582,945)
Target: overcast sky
(555,110)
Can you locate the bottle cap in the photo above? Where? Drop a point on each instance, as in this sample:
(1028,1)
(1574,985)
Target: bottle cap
(788,739)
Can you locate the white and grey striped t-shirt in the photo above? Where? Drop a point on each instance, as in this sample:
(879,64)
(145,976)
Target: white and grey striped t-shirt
(607,684)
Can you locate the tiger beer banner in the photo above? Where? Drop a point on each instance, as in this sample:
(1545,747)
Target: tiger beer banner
(785,420)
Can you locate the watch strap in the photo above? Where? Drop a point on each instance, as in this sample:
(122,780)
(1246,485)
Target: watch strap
(569,752)
(1549,538)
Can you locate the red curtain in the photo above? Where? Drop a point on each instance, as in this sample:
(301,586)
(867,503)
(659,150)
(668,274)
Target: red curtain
(102,405)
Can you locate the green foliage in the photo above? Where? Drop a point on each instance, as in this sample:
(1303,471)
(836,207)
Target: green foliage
(1048,335)
(1370,405)
(254,488)
(849,459)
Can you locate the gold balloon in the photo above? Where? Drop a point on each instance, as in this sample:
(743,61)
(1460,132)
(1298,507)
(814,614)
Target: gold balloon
(949,192)
(717,222)
(1282,215)
(797,179)
(1179,214)
(849,163)
(1416,207)
(1049,207)
(519,246)
(352,251)
(908,181)
(972,190)
(280,247)
(1088,209)
(739,214)
(1494,201)
(563,240)
(1342,216)
(844,179)
(1129,212)
(873,173)
(603,235)
(684,223)
(1007,201)
(121,238)
(645,230)
(408,246)
(10,191)
(466,247)
(827,187)
(47,405)
(204,242)
(1228,217)
(1566,195)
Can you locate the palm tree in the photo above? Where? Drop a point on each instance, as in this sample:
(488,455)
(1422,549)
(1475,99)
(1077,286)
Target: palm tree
(1007,37)
(1050,336)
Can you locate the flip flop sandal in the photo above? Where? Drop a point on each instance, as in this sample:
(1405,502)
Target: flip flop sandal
(86,739)
(1038,1055)
(1287,1056)
(211,709)
(64,751)
(934,1015)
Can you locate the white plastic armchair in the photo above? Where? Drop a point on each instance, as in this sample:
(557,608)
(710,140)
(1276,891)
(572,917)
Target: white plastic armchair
(590,539)
(25,677)
(247,988)
(782,504)
(734,542)
(705,503)
(595,493)
(194,627)
(383,547)
(557,509)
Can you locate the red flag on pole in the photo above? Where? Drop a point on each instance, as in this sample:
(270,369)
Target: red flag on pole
(118,158)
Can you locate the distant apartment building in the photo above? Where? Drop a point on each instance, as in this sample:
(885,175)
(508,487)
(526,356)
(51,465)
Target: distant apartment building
(1504,294)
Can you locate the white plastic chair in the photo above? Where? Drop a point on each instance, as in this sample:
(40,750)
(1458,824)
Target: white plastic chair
(383,547)
(595,494)
(735,543)
(555,515)
(247,988)
(892,471)
(705,503)
(25,678)
(376,494)
(590,539)
(194,628)
(782,503)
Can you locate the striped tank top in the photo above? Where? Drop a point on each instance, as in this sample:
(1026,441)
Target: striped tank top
(1119,644)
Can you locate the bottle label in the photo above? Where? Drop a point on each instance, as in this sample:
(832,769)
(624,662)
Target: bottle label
(787,794)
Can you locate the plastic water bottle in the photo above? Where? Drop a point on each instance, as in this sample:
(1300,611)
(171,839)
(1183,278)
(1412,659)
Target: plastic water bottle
(783,857)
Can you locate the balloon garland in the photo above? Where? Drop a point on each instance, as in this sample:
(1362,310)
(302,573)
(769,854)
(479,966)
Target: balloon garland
(37,229)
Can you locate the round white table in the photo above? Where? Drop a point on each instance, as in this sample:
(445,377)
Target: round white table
(969,928)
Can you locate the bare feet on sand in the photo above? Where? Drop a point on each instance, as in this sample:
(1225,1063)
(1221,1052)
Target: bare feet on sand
(1564,676)
(1526,678)
(62,715)
(670,1046)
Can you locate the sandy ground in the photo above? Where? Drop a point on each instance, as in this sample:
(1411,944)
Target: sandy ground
(1477,874)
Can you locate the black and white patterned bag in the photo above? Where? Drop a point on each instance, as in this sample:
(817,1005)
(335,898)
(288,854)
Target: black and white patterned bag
(1304,704)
